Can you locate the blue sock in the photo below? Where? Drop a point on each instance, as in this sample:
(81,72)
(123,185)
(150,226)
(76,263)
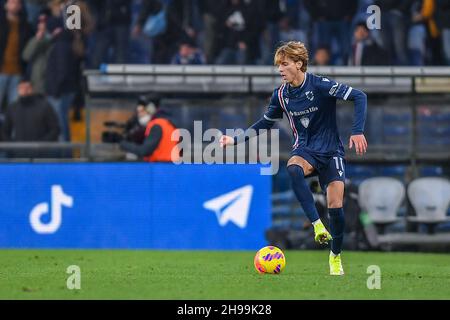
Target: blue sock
(337,226)
(302,192)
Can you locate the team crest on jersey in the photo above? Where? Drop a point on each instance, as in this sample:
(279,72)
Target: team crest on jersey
(305,122)
(310,95)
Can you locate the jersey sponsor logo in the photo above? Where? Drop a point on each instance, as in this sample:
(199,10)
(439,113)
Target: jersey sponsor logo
(304,112)
(326,79)
(305,122)
(232,207)
(310,95)
(286,100)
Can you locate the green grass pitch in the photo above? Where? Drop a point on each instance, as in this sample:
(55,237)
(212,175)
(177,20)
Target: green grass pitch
(217,275)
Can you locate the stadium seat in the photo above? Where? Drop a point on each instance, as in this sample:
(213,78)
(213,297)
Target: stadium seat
(286,196)
(381,197)
(281,211)
(360,171)
(430,198)
(431,171)
(396,171)
(403,117)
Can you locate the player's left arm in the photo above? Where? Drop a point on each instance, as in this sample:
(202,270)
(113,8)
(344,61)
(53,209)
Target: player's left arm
(343,92)
(357,137)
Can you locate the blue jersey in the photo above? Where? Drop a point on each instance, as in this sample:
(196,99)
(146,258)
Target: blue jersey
(311,111)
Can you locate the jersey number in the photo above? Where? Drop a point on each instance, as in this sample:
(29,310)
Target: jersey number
(337,161)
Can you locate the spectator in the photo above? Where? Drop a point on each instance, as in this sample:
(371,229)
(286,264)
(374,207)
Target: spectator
(80,48)
(426,16)
(393,29)
(34,9)
(36,54)
(188,53)
(417,34)
(365,51)
(234,30)
(321,56)
(443,22)
(270,14)
(113,20)
(256,22)
(158,145)
(60,80)
(148,8)
(211,12)
(14,34)
(178,26)
(30,118)
(288,33)
(332,21)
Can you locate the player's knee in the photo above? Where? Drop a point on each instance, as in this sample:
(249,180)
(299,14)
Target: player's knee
(295,171)
(335,203)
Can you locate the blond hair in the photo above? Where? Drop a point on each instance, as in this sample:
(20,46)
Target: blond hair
(294,50)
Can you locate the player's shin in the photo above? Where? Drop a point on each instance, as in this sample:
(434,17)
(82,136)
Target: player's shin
(337,227)
(302,192)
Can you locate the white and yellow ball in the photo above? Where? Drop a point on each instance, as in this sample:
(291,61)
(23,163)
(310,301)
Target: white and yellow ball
(270,259)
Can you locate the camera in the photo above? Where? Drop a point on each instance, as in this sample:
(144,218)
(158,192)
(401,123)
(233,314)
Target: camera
(130,131)
(116,132)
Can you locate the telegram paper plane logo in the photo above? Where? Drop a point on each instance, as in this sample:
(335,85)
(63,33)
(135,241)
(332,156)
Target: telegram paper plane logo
(233,206)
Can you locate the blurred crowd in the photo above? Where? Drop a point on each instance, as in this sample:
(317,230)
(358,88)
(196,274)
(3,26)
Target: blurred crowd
(38,51)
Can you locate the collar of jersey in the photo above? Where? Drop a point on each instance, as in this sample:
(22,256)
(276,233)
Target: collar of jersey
(295,91)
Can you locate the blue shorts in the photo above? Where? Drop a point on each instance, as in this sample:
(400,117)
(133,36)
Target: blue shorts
(327,168)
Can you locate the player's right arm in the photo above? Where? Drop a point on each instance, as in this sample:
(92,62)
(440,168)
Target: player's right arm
(273,114)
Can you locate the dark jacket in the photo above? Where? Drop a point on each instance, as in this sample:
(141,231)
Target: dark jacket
(388,5)
(62,62)
(372,55)
(443,14)
(331,10)
(25,34)
(31,119)
(214,8)
(237,32)
(111,12)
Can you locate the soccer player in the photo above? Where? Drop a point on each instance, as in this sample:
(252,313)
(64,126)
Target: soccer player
(309,102)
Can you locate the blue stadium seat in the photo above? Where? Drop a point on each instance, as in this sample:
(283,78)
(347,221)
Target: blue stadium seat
(396,130)
(395,171)
(281,210)
(399,117)
(285,197)
(431,171)
(436,117)
(360,171)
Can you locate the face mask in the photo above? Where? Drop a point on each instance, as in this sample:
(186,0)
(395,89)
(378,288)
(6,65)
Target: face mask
(144,120)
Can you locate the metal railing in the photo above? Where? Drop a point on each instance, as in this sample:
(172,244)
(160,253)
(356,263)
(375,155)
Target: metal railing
(259,79)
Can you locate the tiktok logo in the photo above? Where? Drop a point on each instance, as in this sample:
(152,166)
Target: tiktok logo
(58,199)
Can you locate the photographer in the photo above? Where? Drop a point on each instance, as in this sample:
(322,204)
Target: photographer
(157,144)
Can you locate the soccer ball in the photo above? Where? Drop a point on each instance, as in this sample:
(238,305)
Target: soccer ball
(269,259)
